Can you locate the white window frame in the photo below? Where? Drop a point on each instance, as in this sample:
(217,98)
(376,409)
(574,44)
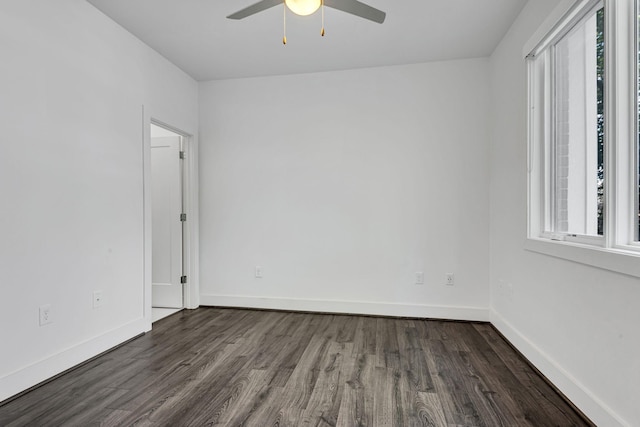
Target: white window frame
(634,127)
(617,249)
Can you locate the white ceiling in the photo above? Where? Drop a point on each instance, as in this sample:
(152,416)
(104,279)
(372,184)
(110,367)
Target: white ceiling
(196,36)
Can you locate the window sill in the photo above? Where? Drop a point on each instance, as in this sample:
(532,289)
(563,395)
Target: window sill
(616,260)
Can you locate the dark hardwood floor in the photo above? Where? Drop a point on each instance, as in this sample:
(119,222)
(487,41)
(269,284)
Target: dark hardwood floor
(231,367)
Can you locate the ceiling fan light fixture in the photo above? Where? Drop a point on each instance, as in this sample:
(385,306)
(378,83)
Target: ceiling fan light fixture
(303,7)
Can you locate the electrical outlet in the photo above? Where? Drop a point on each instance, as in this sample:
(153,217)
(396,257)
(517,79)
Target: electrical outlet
(45,314)
(97,299)
(419,278)
(449,279)
(258,272)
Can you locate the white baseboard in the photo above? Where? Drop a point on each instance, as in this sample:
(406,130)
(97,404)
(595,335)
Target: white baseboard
(349,307)
(594,408)
(29,376)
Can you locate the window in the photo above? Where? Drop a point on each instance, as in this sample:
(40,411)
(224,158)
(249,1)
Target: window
(577,120)
(584,127)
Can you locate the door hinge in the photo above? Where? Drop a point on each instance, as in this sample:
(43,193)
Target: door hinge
(183,217)
(183,279)
(182,155)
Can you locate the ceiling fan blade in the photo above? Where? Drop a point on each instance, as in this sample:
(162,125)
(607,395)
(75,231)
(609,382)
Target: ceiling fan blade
(254,8)
(357,8)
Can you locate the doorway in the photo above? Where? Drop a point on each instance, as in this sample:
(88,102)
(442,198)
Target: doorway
(167,221)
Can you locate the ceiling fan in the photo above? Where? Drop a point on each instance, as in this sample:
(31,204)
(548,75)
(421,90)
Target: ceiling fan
(307,7)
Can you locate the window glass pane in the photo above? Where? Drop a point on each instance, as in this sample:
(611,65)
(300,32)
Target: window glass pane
(600,115)
(578,152)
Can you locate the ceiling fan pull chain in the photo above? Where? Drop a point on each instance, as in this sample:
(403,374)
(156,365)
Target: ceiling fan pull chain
(322,6)
(284,23)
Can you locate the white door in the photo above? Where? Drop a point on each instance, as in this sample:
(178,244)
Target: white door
(166,207)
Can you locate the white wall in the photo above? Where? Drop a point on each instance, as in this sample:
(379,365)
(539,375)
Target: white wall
(342,185)
(578,324)
(73,86)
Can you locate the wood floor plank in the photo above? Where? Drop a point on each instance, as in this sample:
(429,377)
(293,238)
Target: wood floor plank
(538,389)
(414,375)
(324,403)
(492,397)
(243,402)
(429,410)
(357,404)
(413,362)
(235,367)
(382,403)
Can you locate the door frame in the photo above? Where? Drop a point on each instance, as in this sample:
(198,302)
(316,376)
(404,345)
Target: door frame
(191,255)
